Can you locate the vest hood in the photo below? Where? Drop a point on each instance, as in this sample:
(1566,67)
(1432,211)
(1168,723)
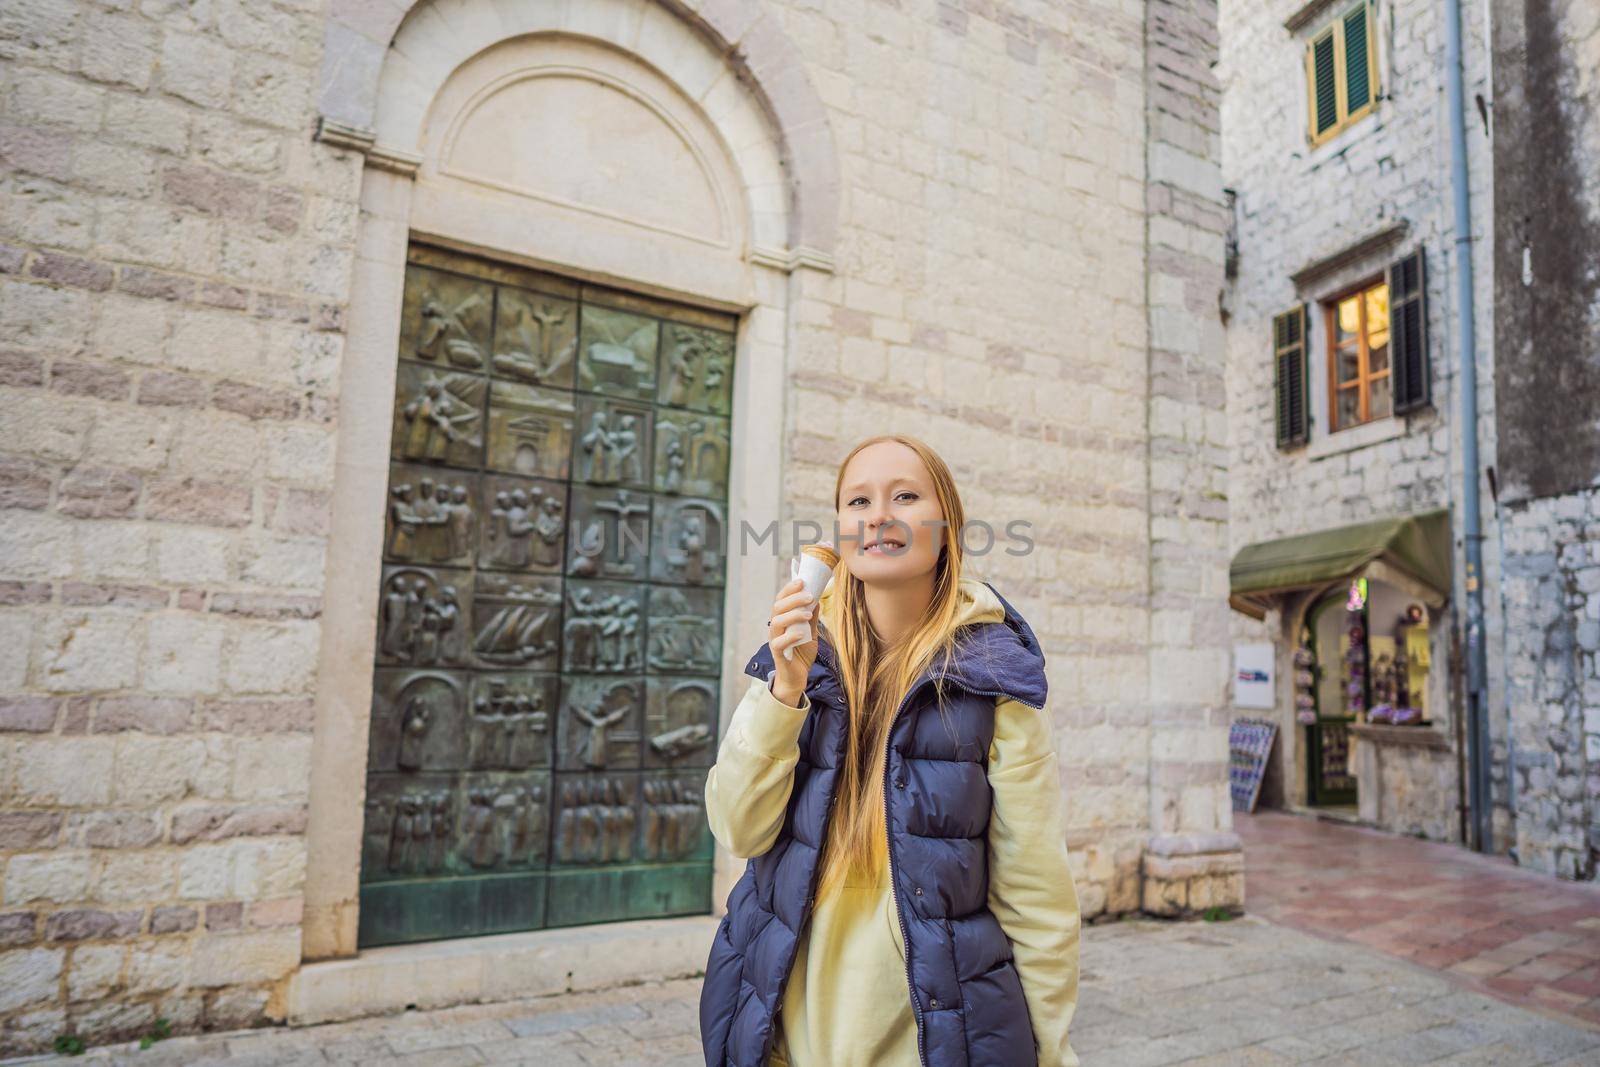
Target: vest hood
(996,651)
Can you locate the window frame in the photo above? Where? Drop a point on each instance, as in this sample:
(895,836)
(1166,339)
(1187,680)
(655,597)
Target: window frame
(1344,117)
(1364,375)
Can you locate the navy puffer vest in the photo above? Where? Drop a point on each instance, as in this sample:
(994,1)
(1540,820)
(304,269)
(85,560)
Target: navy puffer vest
(962,983)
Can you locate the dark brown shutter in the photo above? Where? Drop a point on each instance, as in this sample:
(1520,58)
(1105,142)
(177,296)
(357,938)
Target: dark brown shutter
(1408,331)
(1289,359)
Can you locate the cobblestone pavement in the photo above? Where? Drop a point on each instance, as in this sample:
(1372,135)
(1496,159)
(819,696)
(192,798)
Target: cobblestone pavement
(1246,992)
(1519,935)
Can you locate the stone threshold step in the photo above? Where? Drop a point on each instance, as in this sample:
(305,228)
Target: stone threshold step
(1345,814)
(481,970)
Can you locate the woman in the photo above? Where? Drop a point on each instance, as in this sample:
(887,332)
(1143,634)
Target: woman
(934,922)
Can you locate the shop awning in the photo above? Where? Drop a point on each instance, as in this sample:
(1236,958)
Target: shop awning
(1413,548)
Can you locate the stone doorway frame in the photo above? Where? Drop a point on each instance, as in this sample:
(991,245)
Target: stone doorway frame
(383,66)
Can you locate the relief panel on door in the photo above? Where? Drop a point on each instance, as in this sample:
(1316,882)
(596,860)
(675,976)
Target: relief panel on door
(545,693)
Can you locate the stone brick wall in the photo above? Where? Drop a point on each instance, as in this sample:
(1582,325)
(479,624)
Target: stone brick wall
(990,296)
(174,254)
(1393,164)
(1294,205)
(1552,604)
(1547,324)
(1402,786)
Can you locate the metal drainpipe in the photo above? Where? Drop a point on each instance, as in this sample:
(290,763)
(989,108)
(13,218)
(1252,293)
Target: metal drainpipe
(1472,531)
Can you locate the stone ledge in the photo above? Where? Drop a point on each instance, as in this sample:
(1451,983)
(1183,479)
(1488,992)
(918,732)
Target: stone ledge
(438,974)
(1364,247)
(1361,436)
(1182,867)
(1192,844)
(1184,874)
(1389,734)
(1306,14)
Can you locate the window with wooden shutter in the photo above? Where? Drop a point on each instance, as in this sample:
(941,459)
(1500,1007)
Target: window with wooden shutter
(1341,72)
(1408,329)
(1289,360)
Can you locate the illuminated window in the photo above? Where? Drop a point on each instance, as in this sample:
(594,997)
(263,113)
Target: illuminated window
(1359,379)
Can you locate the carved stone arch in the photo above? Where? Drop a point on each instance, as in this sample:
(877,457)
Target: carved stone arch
(577,153)
(368,43)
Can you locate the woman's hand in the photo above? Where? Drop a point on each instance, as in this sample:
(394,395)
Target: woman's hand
(792,605)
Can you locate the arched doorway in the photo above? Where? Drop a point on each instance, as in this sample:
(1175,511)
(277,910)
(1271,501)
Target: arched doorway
(1326,636)
(1364,683)
(621,164)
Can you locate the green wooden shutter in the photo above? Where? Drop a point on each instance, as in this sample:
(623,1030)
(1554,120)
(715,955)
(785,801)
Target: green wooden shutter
(1289,358)
(1325,84)
(1408,331)
(1357,82)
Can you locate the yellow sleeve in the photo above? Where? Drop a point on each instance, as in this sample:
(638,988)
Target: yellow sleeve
(1030,883)
(747,790)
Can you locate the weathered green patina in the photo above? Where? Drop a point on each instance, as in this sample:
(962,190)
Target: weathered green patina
(545,691)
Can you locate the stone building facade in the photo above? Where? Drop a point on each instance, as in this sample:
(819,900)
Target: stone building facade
(996,225)
(1389,173)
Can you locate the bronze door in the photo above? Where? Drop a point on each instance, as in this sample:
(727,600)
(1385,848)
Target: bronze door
(545,690)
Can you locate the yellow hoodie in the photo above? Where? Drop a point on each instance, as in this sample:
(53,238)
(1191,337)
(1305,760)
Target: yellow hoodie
(846,1003)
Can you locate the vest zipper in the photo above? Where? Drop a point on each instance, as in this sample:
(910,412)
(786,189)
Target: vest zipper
(894,888)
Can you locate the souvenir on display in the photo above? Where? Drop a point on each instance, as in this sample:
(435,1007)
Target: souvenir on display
(1305,681)
(1355,670)
(1358,595)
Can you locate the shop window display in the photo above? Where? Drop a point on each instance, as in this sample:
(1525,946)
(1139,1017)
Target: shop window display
(1363,658)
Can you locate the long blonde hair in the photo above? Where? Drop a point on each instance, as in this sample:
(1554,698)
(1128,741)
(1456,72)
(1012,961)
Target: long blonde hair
(876,679)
